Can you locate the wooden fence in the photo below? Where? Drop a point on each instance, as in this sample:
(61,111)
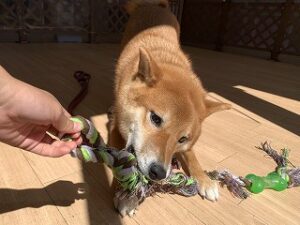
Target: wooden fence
(45,20)
(272,26)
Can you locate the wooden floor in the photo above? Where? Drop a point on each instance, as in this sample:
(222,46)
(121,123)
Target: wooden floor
(265,96)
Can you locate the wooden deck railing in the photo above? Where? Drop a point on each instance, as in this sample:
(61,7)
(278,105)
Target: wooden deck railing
(272,26)
(268,25)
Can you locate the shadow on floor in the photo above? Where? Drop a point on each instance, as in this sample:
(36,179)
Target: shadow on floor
(275,114)
(52,68)
(66,193)
(100,198)
(282,84)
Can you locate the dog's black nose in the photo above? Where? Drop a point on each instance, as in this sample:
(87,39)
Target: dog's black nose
(157,172)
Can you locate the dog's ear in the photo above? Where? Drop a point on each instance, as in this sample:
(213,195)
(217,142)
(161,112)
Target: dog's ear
(212,106)
(148,71)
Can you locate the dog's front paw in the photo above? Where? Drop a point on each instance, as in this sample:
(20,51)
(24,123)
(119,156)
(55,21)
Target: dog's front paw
(208,188)
(126,205)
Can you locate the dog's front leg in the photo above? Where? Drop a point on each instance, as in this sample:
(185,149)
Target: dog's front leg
(127,204)
(207,187)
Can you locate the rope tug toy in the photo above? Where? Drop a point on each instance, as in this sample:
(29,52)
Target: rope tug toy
(286,175)
(135,187)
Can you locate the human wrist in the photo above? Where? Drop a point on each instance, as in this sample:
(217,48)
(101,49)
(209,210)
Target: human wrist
(8,88)
(4,75)
(5,78)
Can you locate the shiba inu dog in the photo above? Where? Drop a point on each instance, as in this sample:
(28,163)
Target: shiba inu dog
(159,100)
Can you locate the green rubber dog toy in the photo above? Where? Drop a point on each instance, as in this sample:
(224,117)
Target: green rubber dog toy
(272,181)
(124,166)
(285,176)
(278,180)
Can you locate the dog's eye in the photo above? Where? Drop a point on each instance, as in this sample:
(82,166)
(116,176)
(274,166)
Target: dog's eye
(182,139)
(155,119)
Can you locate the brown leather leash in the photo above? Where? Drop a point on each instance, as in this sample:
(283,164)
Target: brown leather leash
(83,79)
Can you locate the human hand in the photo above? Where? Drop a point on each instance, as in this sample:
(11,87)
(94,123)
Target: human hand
(27,113)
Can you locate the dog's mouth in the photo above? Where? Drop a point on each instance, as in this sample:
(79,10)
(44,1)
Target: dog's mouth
(175,164)
(131,149)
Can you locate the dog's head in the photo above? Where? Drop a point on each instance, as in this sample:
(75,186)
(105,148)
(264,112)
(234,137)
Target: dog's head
(166,113)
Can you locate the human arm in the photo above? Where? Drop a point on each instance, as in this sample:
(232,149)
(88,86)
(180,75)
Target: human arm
(27,112)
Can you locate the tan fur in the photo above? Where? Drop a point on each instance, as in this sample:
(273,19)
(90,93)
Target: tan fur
(153,74)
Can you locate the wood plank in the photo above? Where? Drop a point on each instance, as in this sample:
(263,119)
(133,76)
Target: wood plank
(227,141)
(93,206)
(23,199)
(221,212)
(48,169)
(222,133)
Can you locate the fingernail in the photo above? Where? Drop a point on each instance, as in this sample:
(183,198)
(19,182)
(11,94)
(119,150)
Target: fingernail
(78,125)
(66,139)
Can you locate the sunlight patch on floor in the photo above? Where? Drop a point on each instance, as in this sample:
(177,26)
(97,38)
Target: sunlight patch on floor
(100,122)
(283,102)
